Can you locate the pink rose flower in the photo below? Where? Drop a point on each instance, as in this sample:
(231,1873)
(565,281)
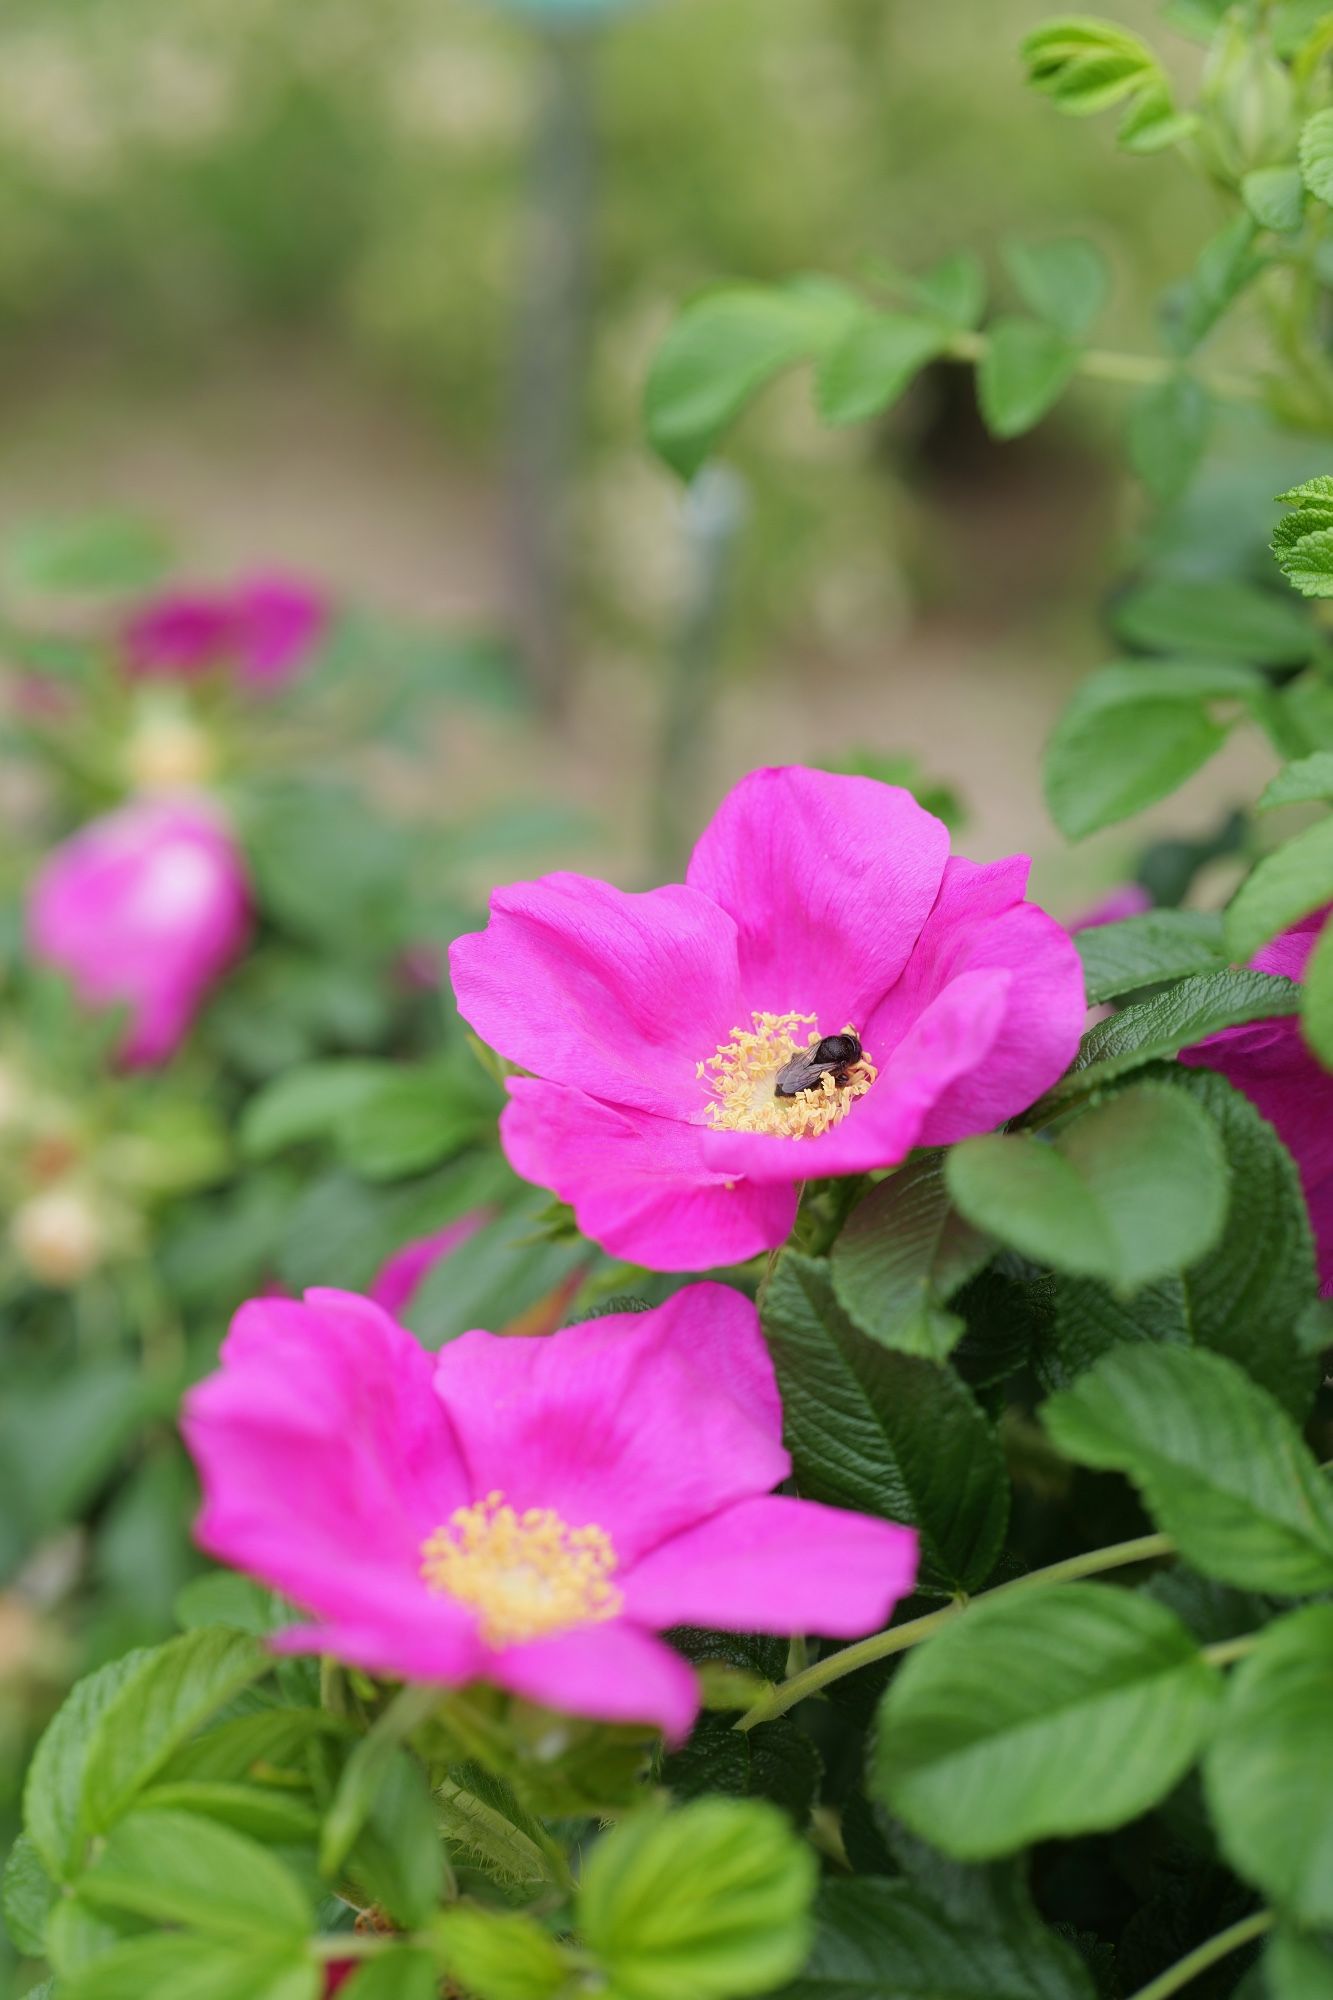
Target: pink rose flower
(143,909)
(658,1026)
(528,1512)
(262,631)
(1270,1063)
(1130,900)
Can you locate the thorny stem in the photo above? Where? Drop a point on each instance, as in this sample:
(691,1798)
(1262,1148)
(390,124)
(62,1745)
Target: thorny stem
(899,1638)
(1208,1953)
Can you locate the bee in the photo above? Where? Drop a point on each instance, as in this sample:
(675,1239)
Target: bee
(835,1056)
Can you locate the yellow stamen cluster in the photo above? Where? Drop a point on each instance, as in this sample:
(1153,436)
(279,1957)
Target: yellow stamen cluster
(743,1074)
(526,1575)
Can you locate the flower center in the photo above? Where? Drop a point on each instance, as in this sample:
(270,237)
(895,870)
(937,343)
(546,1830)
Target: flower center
(525,1575)
(743,1078)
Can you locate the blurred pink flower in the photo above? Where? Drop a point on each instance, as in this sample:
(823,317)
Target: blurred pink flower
(399,1279)
(657,1026)
(263,631)
(529,1512)
(1129,900)
(1270,1062)
(143,909)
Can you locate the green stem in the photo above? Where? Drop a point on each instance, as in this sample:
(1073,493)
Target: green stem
(1104,364)
(1208,1953)
(898,1639)
(1227,1650)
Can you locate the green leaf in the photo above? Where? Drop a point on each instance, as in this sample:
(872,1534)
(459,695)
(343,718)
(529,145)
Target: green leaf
(1226,265)
(176,1868)
(1149,950)
(1303,539)
(1316,153)
(1168,431)
(1134,732)
(1247,1299)
(873,363)
(86,553)
(28,1895)
(53,1792)
(307,1103)
(1275,198)
(884,1433)
(411,1121)
(1087,65)
(1266,1771)
(178,1689)
(1221,1467)
(1317,1016)
(397,1860)
(712,1901)
(485,1825)
(400,1974)
(222,1598)
(366,1769)
(179,1967)
(1288,884)
(1055,1711)
(503,1955)
(1221,618)
(1135,1188)
(1155,1029)
(889,1940)
(266,1812)
(1024,370)
(1299,783)
(1297,1967)
(775,1760)
(954,291)
(1065,283)
(721,352)
(902,1254)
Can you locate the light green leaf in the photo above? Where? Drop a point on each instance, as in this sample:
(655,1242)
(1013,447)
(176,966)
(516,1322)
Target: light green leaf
(179,1967)
(954,291)
(400,1974)
(53,1793)
(1056,1711)
(873,363)
(1155,1029)
(1168,430)
(889,1940)
(1316,150)
(504,1955)
(1222,619)
(1226,265)
(1266,1772)
(724,348)
(185,1682)
(1134,732)
(1221,1466)
(28,1894)
(1022,374)
(1275,198)
(266,1812)
(1290,883)
(176,1868)
(1148,950)
(712,1901)
(1307,779)
(1135,1188)
(1303,539)
(1065,282)
(902,1254)
(884,1433)
(413,1120)
(1298,1967)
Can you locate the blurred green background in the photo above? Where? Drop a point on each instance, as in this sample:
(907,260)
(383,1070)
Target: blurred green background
(259,262)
